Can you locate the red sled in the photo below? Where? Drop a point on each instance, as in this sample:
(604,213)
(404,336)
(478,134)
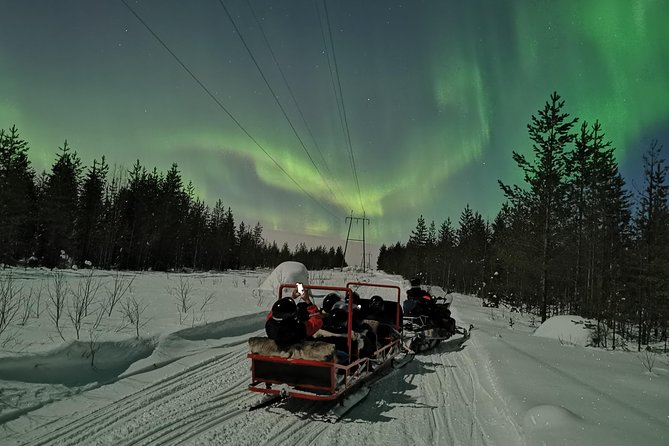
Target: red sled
(311,369)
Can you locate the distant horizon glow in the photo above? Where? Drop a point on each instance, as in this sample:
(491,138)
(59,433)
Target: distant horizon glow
(437,95)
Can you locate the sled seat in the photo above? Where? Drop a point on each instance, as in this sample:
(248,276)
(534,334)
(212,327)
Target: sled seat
(308,364)
(387,315)
(311,350)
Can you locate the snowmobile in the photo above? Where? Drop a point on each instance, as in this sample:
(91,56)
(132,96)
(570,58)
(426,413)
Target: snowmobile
(424,330)
(319,371)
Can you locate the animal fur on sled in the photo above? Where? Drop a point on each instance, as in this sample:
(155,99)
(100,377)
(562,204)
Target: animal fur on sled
(312,350)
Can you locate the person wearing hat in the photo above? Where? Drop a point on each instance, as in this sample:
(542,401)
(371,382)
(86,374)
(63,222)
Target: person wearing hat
(289,323)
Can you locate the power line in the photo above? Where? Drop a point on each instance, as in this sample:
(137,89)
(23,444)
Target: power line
(343,106)
(222,107)
(290,91)
(332,78)
(274,95)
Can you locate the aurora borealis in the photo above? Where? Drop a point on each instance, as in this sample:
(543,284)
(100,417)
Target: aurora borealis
(436,96)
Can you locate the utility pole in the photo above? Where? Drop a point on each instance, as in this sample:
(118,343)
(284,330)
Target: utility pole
(350,221)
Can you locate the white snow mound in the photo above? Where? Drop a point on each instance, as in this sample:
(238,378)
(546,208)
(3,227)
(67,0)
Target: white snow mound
(287,272)
(547,416)
(573,330)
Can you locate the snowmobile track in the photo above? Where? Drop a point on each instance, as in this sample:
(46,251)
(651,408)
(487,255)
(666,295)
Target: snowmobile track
(205,403)
(157,410)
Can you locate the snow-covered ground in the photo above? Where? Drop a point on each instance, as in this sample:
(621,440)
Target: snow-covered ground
(184,380)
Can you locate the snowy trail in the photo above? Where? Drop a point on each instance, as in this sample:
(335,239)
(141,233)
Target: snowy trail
(157,412)
(505,385)
(444,397)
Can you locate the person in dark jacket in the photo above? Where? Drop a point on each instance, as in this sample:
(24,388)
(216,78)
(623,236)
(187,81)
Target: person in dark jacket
(289,323)
(419,302)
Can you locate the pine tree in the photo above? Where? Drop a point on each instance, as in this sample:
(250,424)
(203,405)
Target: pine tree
(472,236)
(416,247)
(652,226)
(17,197)
(614,235)
(446,242)
(90,213)
(419,236)
(549,132)
(140,219)
(579,197)
(58,209)
(285,254)
(172,214)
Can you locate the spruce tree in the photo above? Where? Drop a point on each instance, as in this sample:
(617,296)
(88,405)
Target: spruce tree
(90,213)
(17,197)
(416,247)
(652,226)
(58,209)
(446,241)
(550,132)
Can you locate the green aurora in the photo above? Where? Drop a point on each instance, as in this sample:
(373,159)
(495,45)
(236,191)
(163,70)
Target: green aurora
(436,93)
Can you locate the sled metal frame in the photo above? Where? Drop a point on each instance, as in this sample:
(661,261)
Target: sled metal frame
(322,380)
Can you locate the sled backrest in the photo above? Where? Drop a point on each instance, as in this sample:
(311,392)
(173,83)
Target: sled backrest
(387,315)
(392,309)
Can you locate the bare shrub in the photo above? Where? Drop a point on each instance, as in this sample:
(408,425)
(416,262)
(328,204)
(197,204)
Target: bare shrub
(30,304)
(207,300)
(94,333)
(133,313)
(57,291)
(38,298)
(10,297)
(120,285)
(27,306)
(566,342)
(647,358)
(183,295)
(82,298)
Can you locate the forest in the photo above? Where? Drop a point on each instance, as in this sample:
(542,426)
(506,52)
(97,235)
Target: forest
(571,239)
(124,219)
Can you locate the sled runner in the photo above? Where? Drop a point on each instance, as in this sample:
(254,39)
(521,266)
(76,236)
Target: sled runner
(322,371)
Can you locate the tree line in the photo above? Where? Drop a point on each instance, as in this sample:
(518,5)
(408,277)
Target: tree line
(570,239)
(132,219)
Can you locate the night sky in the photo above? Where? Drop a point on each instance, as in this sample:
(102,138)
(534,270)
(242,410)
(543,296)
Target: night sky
(436,95)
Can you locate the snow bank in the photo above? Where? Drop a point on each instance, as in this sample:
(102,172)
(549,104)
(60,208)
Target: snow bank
(568,329)
(70,364)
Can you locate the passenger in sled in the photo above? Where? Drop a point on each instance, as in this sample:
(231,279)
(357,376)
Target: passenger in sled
(335,329)
(384,316)
(289,322)
(420,303)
